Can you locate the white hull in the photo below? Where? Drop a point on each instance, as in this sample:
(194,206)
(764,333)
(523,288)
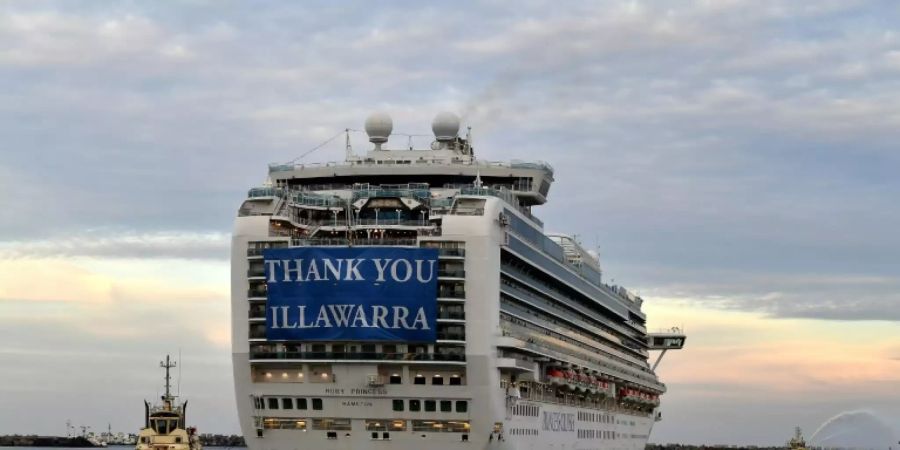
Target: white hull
(533,350)
(526,425)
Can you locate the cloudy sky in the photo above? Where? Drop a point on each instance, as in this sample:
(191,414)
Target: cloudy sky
(734,161)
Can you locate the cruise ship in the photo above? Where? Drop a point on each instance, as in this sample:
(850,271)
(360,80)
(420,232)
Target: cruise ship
(410,299)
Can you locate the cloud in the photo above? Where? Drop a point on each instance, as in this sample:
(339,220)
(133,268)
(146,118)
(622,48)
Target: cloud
(84,330)
(50,38)
(51,281)
(811,296)
(735,155)
(118,244)
(808,370)
(107,285)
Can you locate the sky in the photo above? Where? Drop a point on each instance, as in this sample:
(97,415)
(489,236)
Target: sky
(733,161)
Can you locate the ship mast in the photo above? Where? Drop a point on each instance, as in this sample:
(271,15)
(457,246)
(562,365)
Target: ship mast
(168,364)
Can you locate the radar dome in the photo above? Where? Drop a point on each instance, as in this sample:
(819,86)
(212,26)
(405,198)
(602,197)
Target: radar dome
(379,126)
(445,126)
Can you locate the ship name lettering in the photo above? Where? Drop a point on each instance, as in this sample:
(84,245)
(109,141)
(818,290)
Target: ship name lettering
(554,421)
(356,403)
(372,391)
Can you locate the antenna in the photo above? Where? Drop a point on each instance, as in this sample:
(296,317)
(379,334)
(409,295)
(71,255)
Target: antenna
(348,148)
(179,371)
(167,364)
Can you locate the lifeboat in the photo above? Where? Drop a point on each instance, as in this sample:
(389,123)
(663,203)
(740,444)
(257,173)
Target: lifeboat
(556,376)
(630,395)
(571,379)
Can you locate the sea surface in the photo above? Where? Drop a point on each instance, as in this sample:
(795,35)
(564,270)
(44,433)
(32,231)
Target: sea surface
(112,447)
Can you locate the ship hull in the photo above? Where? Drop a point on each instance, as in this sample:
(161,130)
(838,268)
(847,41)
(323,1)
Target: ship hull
(526,425)
(531,349)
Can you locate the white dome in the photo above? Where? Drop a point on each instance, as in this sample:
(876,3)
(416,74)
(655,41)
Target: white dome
(379,126)
(445,126)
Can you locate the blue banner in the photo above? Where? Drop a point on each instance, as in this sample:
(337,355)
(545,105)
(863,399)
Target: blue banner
(351,294)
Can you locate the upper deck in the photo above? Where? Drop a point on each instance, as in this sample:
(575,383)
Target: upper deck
(450,161)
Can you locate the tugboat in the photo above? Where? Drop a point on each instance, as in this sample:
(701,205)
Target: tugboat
(165,424)
(797,442)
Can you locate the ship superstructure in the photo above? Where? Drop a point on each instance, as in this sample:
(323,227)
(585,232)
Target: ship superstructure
(408,299)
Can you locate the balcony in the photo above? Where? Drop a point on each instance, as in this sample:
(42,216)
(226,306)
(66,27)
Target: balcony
(398,222)
(343,242)
(451,252)
(452,315)
(256,252)
(605,366)
(452,273)
(357,356)
(451,336)
(316,200)
(257,334)
(445,291)
(256,294)
(256,273)
(419,191)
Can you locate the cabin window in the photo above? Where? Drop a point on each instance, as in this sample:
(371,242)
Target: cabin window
(446,406)
(273,403)
(177,439)
(317,404)
(287,403)
(395,379)
(164,426)
(437,379)
(455,381)
(430,406)
(331,424)
(468,207)
(420,379)
(462,406)
(301,403)
(398,405)
(415,405)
